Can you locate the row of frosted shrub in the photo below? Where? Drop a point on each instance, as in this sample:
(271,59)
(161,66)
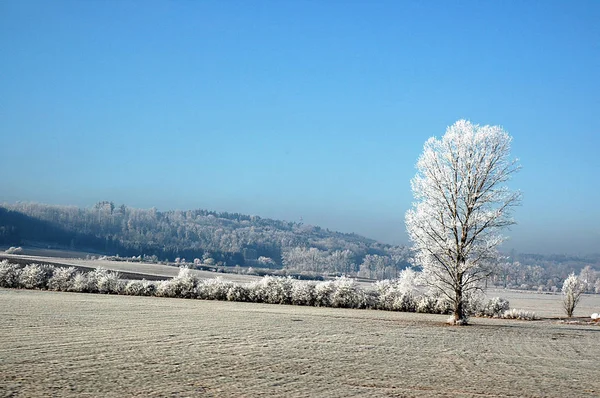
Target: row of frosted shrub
(338,293)
(522,315)
(40,276)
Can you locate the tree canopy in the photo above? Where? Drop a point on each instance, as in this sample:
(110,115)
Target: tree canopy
(462,204)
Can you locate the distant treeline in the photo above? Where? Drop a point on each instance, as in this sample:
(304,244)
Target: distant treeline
(221,238)
(227,238)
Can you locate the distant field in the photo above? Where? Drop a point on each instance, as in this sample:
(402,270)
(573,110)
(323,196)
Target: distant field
(62,253)
(138,270)
(547,305)
(69,344)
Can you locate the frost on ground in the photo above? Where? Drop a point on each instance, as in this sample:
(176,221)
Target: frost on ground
(546,305)
(68,344)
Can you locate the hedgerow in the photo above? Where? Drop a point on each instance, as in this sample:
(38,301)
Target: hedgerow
(389,295)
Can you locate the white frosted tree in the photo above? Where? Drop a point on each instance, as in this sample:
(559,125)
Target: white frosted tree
(588,276)
(373,266)
(572,289)
(302,259)
(340,261)
(266,262)
(461,205)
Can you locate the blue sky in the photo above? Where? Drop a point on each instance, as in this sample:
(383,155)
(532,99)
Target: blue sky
(290,109)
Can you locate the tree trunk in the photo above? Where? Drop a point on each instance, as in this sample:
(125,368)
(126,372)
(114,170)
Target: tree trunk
(459,312)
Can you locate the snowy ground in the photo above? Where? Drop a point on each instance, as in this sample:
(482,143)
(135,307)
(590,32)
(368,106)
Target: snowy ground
(547,305)
(70,344)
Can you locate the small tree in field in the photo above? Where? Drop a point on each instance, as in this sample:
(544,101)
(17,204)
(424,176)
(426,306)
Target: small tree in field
(461,204)
(572,290)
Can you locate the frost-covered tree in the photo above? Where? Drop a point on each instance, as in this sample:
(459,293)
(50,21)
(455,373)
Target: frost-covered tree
(62,278)
(461,204)
(340,261)
(503,271)
(35,276)
(572,290)
(9,274)
(372,263)
(588,276)
(302,259)
(266,262)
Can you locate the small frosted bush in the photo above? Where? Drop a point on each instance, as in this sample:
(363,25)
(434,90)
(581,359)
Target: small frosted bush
(520,314)
(134,288)
(102,280)
(62,279)
(238,292)
(457,322)
(386,294)
(35,276)
(9,274)
(473,302)
(404,302)
(80,283)
(495,307)
(187,282)
(346,294)
(14,250)
(444,305)
(323,293)
(303,293)
(371,299)
(572,289)
(272,290)
(213,289)
(426,304)
(184,285)
(166,289)
(140,288)
(397,295)
(149,288)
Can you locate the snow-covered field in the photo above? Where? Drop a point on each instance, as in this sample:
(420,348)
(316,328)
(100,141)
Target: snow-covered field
(70,344)
(547,305)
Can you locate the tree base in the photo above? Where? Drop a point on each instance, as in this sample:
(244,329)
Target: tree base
(457,322)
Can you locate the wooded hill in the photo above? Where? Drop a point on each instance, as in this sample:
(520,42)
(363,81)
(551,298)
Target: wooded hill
(231,238)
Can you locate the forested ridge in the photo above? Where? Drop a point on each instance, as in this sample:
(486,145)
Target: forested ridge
(237,239)
(230,238)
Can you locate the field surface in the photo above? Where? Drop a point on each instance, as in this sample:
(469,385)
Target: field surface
(547,305)
(69,344)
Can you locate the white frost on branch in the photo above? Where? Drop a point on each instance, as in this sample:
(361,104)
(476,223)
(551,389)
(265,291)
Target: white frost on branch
(461,206)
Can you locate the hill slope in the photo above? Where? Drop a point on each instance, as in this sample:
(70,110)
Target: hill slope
(232,238)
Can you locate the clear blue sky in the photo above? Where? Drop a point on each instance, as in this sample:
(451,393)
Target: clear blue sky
(289,109)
